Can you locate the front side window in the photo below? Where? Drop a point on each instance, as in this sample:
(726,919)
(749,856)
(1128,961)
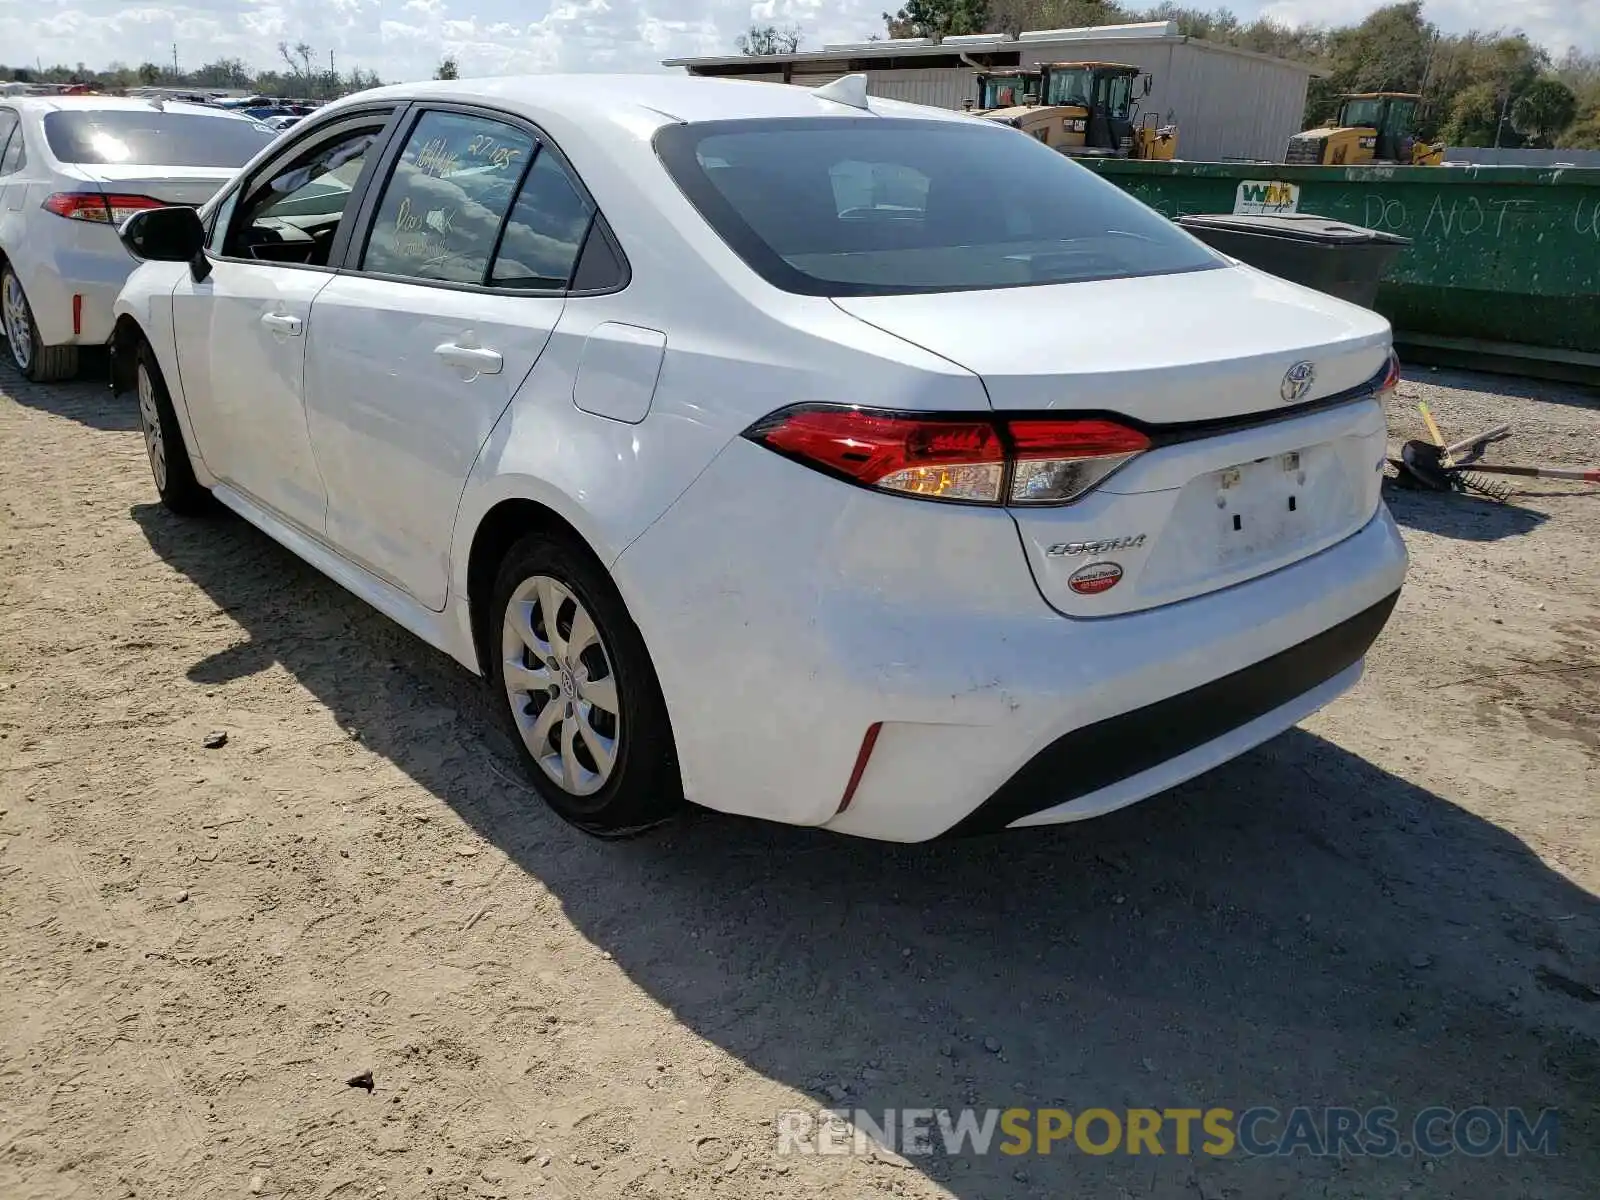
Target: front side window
(1400,118)
(152,138)
(293,215)
(443,206)
(863,207)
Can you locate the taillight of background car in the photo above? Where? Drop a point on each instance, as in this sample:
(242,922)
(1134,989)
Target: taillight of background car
(98,207)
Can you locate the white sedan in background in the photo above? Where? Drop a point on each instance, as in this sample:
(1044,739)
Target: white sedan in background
(834,461)
(72,169)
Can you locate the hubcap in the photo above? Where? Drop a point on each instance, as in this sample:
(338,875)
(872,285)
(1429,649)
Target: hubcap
(150,418)
(19,325)
(561,686)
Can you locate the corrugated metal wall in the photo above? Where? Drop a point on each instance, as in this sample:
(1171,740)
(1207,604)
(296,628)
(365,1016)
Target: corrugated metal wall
(1226,105)
(1230,107)
(940,87)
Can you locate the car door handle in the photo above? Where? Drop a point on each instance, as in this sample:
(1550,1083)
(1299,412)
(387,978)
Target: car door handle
(478,360)
(283,323)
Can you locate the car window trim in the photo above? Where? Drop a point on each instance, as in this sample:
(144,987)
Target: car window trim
(15,133)
(345,121)
(543,144)
(216,204)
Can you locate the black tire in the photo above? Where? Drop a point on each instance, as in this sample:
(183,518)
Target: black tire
(644,787)
(163,440)
(36,361)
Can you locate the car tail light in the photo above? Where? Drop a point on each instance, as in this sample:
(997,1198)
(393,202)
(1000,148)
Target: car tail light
(982,460)
(1391,379)
(98,207)
(1058,461)
(936,457)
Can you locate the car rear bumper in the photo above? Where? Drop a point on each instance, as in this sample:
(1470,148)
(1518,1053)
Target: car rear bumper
(825,610)
(56,274)
(1097,768)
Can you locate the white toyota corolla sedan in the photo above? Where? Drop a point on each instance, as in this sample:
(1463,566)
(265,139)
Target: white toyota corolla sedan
(834,461)
(72,169)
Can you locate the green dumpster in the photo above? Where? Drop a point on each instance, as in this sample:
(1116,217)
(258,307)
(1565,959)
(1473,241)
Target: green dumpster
(1504,262)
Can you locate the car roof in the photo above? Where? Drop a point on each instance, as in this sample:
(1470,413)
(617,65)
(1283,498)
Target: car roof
(43,104)
(625,99)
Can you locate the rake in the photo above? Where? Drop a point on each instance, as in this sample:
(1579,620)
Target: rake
(1439,467)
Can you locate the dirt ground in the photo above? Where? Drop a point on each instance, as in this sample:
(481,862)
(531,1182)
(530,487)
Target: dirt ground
(1395,904)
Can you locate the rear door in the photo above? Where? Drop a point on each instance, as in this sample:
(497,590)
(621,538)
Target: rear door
(241,331)
(447,300)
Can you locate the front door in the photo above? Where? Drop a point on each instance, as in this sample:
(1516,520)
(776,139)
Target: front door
(418,348)
(243,329)
(246,323)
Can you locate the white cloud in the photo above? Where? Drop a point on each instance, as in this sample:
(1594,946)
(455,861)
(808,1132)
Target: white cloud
(404,39)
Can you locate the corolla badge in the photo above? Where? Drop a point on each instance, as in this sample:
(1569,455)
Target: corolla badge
(1297,381)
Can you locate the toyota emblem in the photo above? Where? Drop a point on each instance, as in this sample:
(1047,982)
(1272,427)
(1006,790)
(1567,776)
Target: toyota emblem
(1297,381)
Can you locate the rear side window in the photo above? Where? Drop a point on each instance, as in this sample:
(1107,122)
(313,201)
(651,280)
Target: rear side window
(546,230)
(16,156)
(867,206)
(443,206)
(10,142)
(166,139)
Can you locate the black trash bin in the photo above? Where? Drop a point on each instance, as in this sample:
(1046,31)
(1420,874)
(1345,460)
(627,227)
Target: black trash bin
(1344,260)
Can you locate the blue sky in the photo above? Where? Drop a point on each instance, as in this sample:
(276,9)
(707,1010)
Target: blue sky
(403,39)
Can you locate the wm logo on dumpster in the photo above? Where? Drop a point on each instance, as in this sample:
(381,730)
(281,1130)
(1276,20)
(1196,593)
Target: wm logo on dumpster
(1263,198)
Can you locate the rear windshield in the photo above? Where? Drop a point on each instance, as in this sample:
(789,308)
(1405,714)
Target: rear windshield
(872,206)
(167,139)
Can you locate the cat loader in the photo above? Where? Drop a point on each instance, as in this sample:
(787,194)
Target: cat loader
(1370,127)
(1085,109)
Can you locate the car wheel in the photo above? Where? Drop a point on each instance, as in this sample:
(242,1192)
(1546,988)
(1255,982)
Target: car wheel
(163,441)
(36,361)
(582,699)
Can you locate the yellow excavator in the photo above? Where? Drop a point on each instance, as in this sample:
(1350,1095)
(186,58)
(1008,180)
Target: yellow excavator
(1085,109)
(1370,127)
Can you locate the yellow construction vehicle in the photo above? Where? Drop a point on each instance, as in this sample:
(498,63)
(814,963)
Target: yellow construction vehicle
(1086,109)
(1370,127)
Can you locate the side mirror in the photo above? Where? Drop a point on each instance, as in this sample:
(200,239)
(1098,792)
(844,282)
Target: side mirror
(1149,82)
(168,235)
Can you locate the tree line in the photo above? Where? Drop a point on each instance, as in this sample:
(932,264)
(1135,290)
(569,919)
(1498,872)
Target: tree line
(1480,88)
(301,77)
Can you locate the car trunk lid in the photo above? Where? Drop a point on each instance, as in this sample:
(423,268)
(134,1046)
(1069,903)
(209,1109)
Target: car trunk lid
(170,185)
(1185,347)
(1256,461)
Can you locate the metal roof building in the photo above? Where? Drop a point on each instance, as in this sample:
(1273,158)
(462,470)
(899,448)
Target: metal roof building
(1227,103)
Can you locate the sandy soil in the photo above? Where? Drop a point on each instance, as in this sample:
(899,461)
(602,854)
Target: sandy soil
(1397,903)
